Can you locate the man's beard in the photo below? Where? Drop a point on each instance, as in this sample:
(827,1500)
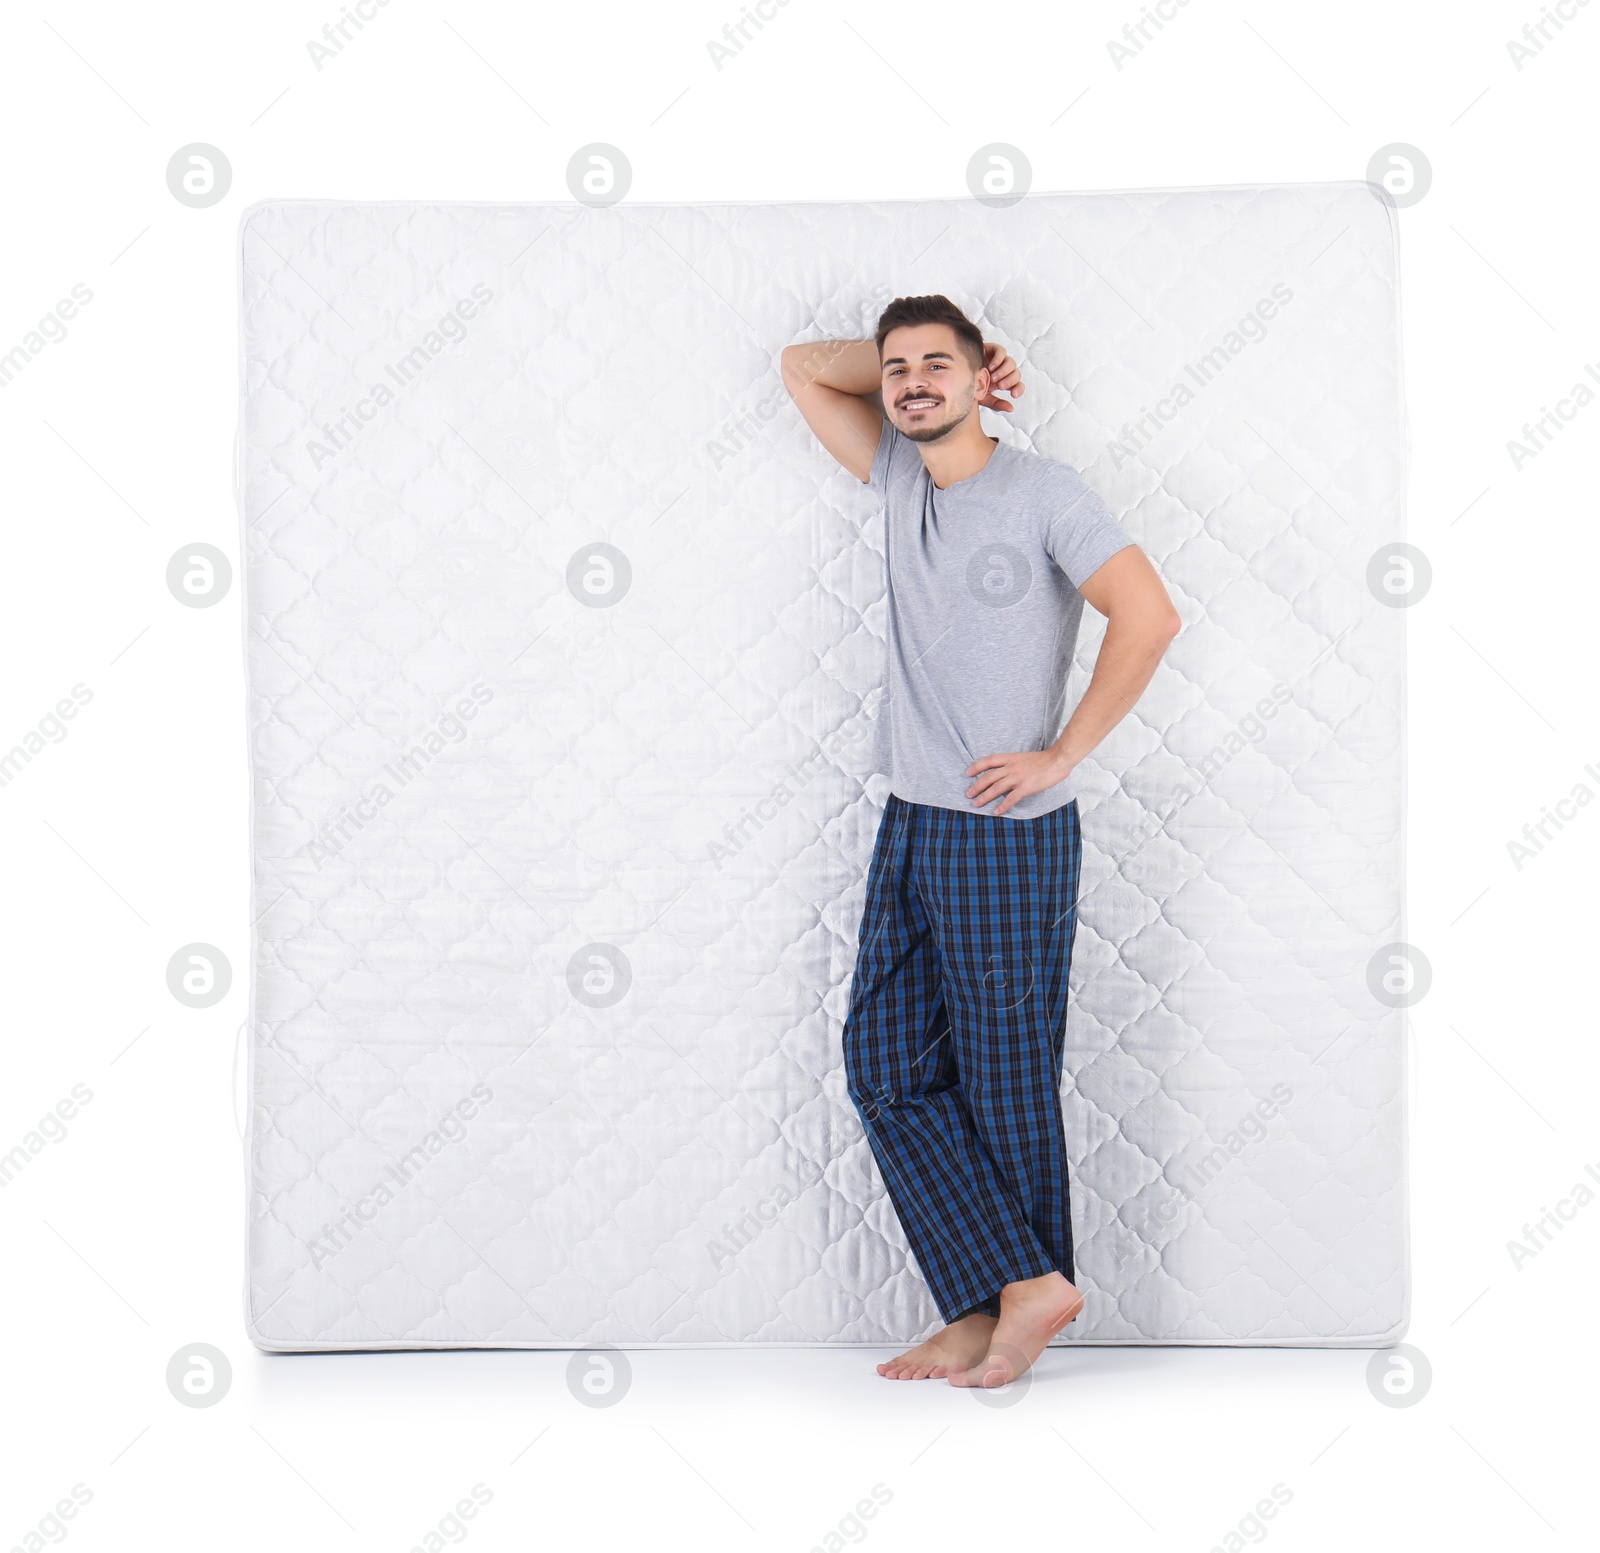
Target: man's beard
(931,433)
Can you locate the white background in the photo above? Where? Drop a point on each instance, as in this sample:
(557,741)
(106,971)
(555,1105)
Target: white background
(124,840)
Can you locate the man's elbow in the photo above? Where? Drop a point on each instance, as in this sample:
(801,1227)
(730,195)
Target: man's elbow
(1156,623)
(1157,627)
(792,363)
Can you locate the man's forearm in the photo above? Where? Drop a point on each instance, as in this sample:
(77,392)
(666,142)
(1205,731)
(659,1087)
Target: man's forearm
(1129,653)
(851,366)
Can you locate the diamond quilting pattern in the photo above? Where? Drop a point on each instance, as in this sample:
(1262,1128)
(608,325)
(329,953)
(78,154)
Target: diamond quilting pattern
(465,776)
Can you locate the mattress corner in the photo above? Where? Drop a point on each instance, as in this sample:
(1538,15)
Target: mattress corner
(254,209)
(1391,1338)
(259,1339)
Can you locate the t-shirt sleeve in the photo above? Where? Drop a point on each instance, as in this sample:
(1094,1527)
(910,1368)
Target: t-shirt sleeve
(1080,535)
(878,478)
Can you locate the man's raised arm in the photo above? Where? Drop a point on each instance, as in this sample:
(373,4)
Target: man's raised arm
(830,381)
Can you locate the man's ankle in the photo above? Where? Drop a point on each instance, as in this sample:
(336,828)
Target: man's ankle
(1025,1286)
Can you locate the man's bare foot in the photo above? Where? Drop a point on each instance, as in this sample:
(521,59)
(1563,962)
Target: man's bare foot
(1031,1313)
(959,1345)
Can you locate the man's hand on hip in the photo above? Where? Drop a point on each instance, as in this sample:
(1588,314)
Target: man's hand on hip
(1016,776)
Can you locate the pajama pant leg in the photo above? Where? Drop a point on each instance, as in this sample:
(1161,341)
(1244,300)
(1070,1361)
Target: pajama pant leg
(953,1041)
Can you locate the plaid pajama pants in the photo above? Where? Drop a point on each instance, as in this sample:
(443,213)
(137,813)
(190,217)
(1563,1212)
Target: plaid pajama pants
(953,1041)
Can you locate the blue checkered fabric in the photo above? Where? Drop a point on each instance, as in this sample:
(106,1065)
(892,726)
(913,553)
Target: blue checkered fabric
(953,1040)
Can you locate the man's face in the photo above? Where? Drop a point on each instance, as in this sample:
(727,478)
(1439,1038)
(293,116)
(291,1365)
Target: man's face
(929,386)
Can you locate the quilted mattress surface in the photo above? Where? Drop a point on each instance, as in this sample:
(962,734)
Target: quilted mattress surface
(563,643)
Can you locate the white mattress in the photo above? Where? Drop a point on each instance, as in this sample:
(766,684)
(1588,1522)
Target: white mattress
(451,1142)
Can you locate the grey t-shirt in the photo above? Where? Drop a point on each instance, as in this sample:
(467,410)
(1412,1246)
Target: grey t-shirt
(983,616)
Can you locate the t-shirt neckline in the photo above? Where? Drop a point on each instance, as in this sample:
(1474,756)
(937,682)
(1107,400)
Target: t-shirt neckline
(958,486)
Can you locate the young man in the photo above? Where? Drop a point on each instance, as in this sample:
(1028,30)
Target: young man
(953,1040)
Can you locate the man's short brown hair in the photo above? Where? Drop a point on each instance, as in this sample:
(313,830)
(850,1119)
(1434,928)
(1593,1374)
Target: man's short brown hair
(932,310)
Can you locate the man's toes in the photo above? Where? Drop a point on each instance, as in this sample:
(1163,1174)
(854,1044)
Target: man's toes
(906,1368)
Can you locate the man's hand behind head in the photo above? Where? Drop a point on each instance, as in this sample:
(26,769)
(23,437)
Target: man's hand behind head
(1003,378)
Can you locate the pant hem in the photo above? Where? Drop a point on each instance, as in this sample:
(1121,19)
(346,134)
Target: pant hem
(968,1304)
